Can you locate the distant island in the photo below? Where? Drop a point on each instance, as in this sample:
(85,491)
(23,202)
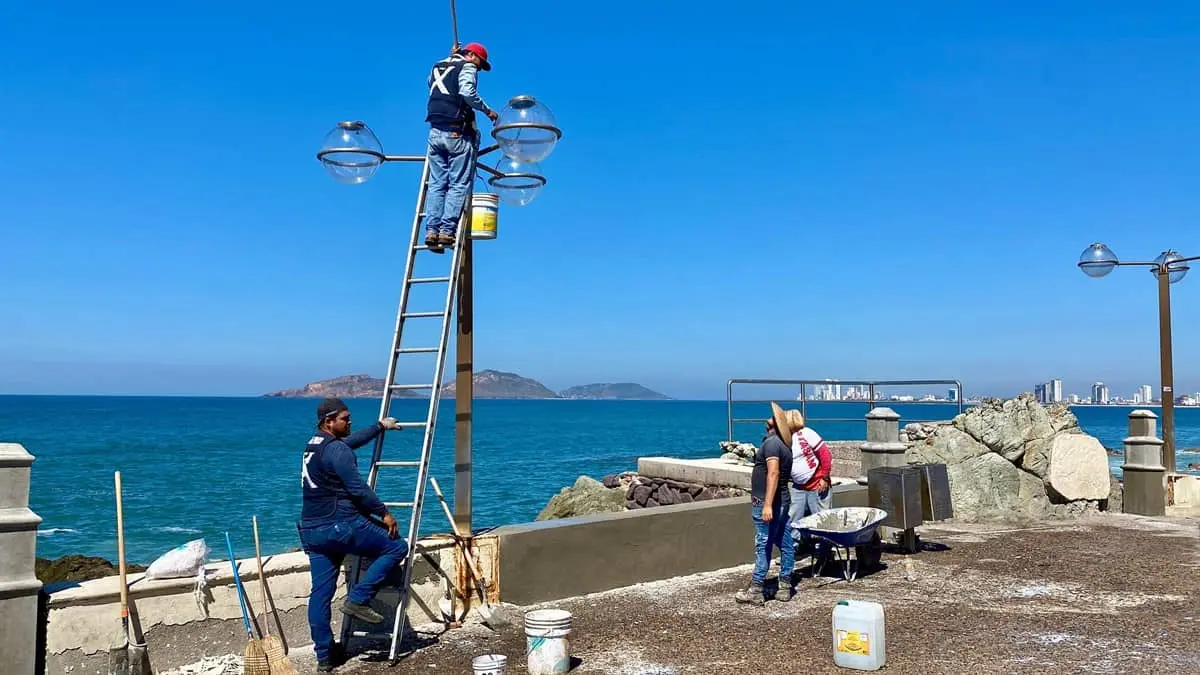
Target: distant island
(487,384)
(627,391)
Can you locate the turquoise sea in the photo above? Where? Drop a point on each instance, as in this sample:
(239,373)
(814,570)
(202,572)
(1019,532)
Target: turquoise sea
(196,467)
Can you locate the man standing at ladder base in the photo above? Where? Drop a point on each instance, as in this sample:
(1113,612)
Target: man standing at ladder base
(453,140)
(334,523)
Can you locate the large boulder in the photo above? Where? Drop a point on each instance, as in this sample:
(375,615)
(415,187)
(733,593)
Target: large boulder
(1078,469)
(585,497)
(989,484)
(1015,457)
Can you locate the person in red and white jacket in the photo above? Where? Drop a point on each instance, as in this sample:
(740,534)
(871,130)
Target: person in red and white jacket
(812,464)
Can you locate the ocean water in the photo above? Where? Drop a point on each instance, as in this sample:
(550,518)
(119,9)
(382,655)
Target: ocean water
(198,467)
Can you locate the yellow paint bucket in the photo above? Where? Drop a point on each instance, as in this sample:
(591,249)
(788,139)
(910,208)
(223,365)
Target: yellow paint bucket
(485,208)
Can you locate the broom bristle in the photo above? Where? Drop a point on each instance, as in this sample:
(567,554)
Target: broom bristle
(277,657)
(254,662)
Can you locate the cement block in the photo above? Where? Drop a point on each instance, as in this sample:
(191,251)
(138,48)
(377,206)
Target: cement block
(703,471)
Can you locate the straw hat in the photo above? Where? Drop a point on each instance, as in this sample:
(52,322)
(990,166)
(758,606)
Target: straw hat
(781,422)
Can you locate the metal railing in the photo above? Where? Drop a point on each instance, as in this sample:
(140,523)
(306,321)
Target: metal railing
(871,399)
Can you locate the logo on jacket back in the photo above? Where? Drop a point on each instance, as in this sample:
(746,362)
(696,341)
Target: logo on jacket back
(305,479)
(439,79)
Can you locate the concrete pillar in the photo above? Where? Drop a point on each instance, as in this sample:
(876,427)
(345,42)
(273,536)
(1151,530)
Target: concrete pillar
(19,586)
(1145,475)
(883,446)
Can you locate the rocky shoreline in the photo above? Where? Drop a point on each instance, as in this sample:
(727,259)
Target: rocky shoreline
(75,567)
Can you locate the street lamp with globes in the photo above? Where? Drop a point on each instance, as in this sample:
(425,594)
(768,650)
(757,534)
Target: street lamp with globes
(526,132)
(1169,267)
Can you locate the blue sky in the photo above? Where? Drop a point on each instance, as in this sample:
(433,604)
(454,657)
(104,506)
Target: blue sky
(778,190)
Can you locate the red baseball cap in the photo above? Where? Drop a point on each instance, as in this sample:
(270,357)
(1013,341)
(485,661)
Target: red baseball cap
(480,51)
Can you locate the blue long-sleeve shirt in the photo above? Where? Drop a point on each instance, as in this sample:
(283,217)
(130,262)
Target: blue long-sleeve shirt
(332,487)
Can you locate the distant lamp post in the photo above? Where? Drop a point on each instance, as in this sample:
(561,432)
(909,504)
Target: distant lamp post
(1169,267)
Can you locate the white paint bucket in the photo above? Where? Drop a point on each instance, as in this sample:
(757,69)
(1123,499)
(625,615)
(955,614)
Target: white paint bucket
(547,648)
(485,211)
(490,664)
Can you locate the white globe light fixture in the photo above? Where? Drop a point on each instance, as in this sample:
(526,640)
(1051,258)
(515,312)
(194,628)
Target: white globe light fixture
(351,153)
(526,130)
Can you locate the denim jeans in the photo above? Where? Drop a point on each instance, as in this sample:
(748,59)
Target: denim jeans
(768,535)
(327,546)
(806,503)
(451,170)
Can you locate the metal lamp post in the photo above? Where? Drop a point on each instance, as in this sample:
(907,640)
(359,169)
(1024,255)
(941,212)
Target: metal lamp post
(1169,267)
(526,133)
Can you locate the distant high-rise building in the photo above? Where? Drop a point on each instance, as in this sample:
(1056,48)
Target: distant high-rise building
(1056,395)
(1039,392)
(952,395)
(1100,393)
(837,392)
(1147,393)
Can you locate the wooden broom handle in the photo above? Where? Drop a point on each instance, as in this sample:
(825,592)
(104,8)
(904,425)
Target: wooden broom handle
(262,580)
(121,547)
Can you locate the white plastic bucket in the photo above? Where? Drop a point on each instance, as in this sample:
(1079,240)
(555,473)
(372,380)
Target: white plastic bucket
(547,648)
(485,211)
(490,664)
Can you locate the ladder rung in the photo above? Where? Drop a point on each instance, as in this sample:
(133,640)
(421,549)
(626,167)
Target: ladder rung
(398,464)
(428,280)
(410,387)
(416,350)
(398,505)
(410,425)
(421,315)
(370,635)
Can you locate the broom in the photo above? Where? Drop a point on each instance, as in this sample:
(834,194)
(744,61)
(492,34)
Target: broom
(254,661)
(272,646)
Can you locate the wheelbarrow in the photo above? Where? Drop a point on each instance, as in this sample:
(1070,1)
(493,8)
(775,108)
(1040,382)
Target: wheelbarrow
(842,529)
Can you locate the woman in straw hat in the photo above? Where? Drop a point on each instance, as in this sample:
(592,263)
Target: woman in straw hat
(769,506)
(812,463)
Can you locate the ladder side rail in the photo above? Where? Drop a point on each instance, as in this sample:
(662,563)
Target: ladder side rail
(464,232)
(389,379)
(354,573)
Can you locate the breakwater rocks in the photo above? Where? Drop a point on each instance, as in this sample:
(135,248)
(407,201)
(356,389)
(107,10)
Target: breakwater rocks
(1016,456)
(76,567)
(737,452)
(642,492)
(626,491)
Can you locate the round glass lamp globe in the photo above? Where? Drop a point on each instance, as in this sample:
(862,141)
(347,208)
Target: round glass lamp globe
(519,183)
(1175,273)
(351,153)
(1097,260)
(526,130)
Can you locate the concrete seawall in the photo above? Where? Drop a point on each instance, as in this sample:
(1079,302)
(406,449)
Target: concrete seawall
(530,562)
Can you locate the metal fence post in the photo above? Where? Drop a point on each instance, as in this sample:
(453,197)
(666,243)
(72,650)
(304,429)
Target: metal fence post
(19,586)
(1145,476)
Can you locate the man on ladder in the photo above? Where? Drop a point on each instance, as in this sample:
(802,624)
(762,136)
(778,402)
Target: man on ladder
(453,140)
(334,523)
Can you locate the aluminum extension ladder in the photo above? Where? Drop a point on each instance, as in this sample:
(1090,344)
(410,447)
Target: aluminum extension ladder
(390,389)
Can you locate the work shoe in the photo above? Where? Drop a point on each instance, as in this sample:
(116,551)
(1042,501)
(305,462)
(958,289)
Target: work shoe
(361,612)
(446,240)
(434,241)
(751,595)
(786,590)
(336,657)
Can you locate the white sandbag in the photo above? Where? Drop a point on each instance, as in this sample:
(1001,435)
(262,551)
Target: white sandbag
(185,560)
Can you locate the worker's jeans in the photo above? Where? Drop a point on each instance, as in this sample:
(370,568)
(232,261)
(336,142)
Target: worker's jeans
(806,503)
(768,535)
(451,169)
(327,546)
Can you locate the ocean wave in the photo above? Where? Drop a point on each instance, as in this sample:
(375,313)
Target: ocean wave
(51,531)
(171,529)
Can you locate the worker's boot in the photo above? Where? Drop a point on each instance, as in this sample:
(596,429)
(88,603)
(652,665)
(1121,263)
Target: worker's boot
(751,595)
(361,612)
(336,657)
(434,241)
(787,589)
(446,240)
